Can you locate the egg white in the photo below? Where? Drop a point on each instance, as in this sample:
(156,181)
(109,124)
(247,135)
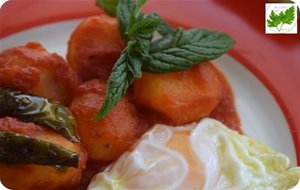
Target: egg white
(204,156)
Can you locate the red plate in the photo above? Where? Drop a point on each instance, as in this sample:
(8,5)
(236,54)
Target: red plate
(272,58)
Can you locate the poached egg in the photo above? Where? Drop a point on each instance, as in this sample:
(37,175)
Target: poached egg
(203,156)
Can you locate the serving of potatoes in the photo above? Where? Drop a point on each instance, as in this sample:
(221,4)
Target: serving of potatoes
(79,83)
(33,70)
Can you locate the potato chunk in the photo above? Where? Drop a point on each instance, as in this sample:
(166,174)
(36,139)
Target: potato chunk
(32,69)
(181,97)
(37,177)
(94,47)
(106,139)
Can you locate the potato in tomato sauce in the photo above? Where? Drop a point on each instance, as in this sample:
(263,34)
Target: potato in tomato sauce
(180,97)
(105,139)
(94,47)
(33,70)
(38,177)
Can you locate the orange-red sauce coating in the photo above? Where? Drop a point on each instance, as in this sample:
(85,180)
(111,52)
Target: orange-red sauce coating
(94,47)
(33,70)
(203,90)
(226,111)
(29,177)
(174,98)
(106,139)
(180,97)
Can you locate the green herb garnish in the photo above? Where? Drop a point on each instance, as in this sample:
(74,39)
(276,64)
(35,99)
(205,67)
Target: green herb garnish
(108,5)
(21,149)
(175,50)
(165,29)
(183,49)
(137,30)
(284,17)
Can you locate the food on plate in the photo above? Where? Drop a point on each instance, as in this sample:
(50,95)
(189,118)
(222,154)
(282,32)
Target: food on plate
(174,49)
(60,168)
(39,146)
(126,72)
(226,111)
(38,110)
(33,70)
(176,93)
(106,139)
(205,156)
(94,47)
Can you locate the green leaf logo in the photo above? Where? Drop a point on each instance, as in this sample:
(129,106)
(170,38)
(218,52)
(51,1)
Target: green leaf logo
(284,17)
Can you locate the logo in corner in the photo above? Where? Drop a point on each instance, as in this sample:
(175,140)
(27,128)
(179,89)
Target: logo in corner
(281,18)
(297,187)
(2,2)
(2,187)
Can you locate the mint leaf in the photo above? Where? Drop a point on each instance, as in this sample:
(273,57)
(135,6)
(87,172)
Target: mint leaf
(274,19)
(138,48)
(109,6)
(127,67)
(138,5)
(165,29)
(288,16)
(135,66)
(145,26)
(183,49)
(117,86)
(136,11)
(124,10)
(132,20)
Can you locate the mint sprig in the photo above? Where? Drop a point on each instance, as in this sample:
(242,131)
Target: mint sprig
(136,29)
(175,50)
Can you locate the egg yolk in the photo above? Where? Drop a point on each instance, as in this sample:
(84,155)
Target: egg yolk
(180,142)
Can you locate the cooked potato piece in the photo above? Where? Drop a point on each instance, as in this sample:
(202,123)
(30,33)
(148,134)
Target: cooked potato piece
(37,177)
(109,137)
(182,97)
(32,69)
(94,47)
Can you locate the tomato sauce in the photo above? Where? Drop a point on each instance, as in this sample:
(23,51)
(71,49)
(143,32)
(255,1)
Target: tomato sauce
(226,111)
